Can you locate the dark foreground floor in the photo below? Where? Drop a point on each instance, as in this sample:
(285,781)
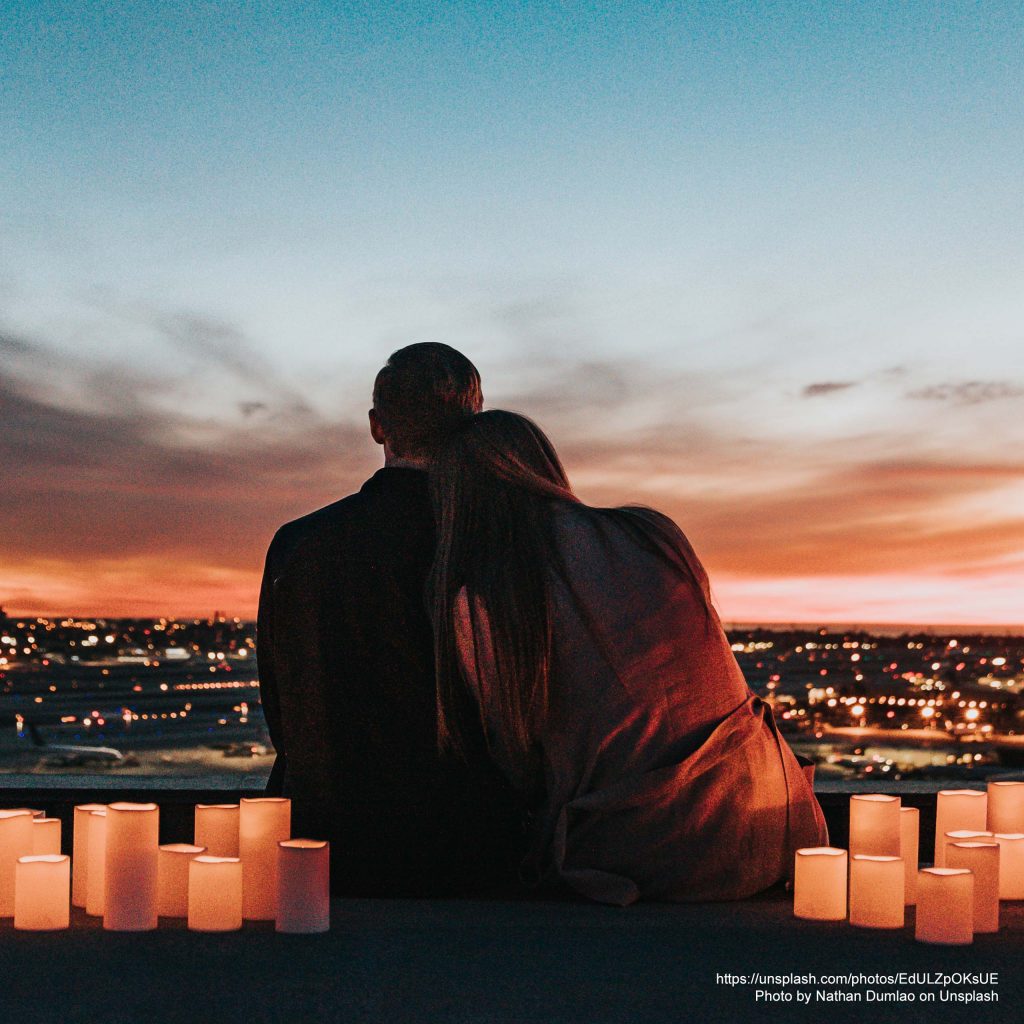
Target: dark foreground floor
(433,961)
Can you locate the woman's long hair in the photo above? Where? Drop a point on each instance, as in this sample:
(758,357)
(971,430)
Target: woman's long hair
(494,485)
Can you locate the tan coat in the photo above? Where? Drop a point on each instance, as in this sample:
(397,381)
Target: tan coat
(660,775)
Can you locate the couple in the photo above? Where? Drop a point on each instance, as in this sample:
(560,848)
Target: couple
(475,681)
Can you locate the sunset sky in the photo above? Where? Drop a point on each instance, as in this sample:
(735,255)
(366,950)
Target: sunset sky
(760,266)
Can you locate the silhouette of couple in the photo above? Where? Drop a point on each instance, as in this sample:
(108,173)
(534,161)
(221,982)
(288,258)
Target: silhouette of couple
(475,683)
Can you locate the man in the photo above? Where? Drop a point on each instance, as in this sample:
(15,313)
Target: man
(346,664)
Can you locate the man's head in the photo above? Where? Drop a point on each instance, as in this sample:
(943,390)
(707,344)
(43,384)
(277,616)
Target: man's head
(422,391)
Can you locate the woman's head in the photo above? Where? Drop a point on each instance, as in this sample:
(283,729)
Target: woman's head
(500,451)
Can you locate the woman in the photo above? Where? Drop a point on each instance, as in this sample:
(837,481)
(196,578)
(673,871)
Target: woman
(605,684)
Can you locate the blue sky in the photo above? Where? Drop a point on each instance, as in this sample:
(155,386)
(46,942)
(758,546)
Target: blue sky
(733,256)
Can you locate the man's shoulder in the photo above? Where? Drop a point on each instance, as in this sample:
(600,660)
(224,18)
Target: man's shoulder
(349,519)
(294,532)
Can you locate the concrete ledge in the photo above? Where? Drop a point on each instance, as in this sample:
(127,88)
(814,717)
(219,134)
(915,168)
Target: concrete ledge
(394,961)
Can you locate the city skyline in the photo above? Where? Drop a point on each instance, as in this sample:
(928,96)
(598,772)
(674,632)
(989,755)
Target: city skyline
(760,269)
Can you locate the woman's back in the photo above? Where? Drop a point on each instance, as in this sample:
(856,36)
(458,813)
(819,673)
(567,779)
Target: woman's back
(654,756)
(636,643)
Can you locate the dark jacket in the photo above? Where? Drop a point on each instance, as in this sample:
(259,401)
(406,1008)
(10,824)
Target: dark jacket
(346,667)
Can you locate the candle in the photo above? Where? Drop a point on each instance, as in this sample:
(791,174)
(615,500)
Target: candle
(945,906)
(819,883)
(214,894)
(96,882)
(875,825)
(129,902)
(983,860)
(42,901)
(262,823)
(304,887)
(910,831)
(217,829)
(1011,865)
(80,851)
(966,835)
(1006,807)
(46,836)
(15,842)
(172,878)
(957,809)
(876,891)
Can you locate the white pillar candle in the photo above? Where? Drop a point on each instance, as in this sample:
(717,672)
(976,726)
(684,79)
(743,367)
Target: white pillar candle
(129,902)
(945,906)
(217,829)
(96,883)
(983,860)
(303,886)
(15,842)
(262,823)
(1011,865)
(910,832)
(958,809)
(42,901)
(1006,807)
(80,851)
(819,883)
(172,878)
(214,894)
(876,891)
(46,836)
(966,835)
(875,825)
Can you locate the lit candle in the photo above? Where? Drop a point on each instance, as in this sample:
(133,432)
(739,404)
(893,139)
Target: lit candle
(214,894)
(262,823)
(129,902)
(945,906)
(15,842)
(966,835)
(910,831)
(983,860)
(45,836)
(876,891)
(96,883)
(80,851)
(957,809)
(1006,807)
(819,883)
(1011,865)
(874,825)
(217,829)
(304,886)
(42,901)
(172,878)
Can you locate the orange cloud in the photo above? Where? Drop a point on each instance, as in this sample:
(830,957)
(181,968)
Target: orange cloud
(130,508)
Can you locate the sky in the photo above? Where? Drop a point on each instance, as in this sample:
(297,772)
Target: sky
(757,265)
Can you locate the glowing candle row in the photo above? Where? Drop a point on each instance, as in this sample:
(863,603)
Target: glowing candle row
(122,874)
(946,907)
(880,874)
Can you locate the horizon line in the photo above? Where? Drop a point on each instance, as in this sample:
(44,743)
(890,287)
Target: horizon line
(731,624)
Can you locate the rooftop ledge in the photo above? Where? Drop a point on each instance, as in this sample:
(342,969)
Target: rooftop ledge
(394,961)
(501,960)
